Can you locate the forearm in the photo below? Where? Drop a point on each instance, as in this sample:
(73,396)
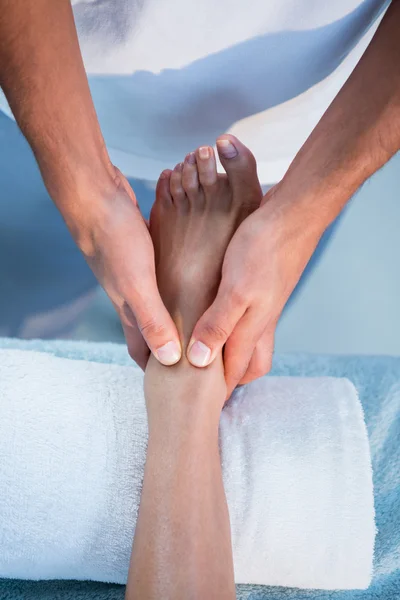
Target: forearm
(182,545)
(43,77)
(356,136)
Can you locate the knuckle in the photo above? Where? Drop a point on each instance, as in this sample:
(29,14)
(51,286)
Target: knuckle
(151,329)
(265,348)
(254,373)
(259,371)
(238,295)
(215,331)
(236,375)
(260,364)
(248,378)
(271,323)
(264,366)
(236,370)
(267,365)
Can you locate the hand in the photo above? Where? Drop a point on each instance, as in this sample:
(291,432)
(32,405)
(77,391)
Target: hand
(262,265)
(118,248)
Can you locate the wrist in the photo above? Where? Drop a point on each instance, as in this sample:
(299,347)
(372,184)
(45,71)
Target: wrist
(82,192)
(72,157)
(289,214)
(328,169)
(308,202)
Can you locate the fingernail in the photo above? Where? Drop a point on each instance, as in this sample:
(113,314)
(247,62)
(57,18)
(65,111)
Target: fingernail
(191,158)
(169,354)
(199,354)
(204,152)
(226,148)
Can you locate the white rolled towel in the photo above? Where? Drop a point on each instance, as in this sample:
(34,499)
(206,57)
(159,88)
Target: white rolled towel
(73,435)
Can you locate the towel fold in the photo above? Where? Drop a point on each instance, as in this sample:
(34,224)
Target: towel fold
(73,437)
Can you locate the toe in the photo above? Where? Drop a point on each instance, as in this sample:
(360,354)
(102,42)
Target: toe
(175,185)
(163,200)
(240,165)
(206,167)
(190,177)
(163,194)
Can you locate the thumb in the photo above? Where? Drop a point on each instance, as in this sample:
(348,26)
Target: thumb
(214,328)
(155,324)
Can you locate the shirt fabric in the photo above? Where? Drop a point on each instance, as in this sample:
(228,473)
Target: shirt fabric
(169,75)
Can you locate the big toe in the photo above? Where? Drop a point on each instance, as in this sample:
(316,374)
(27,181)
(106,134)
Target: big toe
(239,163)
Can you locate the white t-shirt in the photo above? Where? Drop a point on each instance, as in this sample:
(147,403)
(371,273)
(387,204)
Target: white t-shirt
(170,75)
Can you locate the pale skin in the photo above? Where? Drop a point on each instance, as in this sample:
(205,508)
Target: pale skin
(182,546)
(41,66)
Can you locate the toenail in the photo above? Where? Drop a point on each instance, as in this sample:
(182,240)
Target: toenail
(179,167)
(191,158)
(204,152)
(164,175)
(226,148)
(169,354)
(199,354)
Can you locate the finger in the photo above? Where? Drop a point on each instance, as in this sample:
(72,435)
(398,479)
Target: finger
(261,361)
(240,347)
(137,347)
(214,327)
(154,322)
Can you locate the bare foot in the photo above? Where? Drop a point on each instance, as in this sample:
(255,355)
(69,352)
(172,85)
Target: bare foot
(196,212)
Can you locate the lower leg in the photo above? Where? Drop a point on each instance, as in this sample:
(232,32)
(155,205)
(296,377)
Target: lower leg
(182,545)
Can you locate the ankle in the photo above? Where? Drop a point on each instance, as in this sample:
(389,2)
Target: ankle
(184,391)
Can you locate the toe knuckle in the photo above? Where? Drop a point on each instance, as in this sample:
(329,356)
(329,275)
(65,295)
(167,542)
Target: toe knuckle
(210,183)
(193,186)
(190,185)
(178,193)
